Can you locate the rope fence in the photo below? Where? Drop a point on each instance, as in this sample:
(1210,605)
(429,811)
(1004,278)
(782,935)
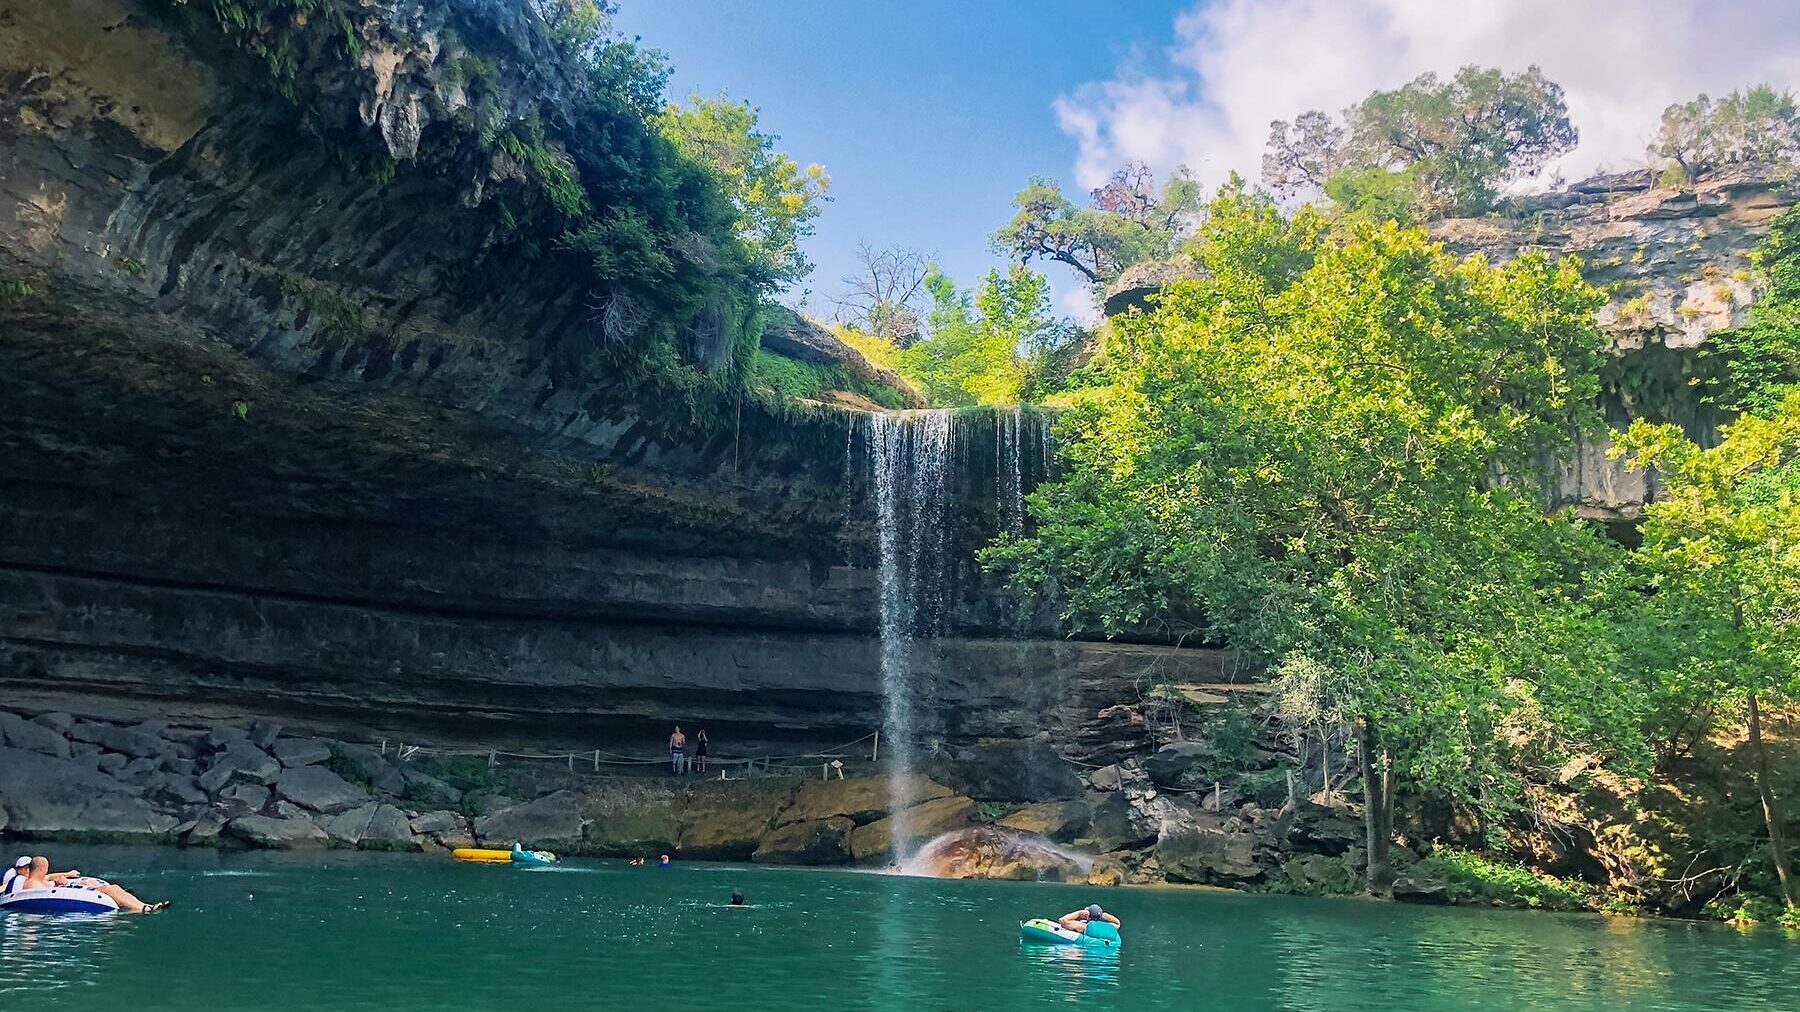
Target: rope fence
(827,762)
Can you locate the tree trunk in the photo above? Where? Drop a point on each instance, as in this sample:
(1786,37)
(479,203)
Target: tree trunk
(1378,816)
(1777,844)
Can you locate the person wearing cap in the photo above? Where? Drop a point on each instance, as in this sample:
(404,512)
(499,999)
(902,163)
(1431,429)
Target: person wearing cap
(39,876)
(15,876)
(1077,920)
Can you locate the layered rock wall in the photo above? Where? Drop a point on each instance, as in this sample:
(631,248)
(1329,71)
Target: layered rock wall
(287,434)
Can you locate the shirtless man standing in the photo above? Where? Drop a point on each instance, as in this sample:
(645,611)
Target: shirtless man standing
(677,751)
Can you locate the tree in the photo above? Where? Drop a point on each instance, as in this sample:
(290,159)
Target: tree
(979,344)
(882,297)
(1722,550)
(1299,451)
(776,199)
(1701,136)
(1305,159)
(1762,359)
(1127,221)
(1460,140)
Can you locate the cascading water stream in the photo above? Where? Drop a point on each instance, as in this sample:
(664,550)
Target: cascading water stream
(909,456)
(916,476)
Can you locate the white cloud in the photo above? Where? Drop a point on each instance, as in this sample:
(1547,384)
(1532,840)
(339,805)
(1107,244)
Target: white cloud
(1235,65)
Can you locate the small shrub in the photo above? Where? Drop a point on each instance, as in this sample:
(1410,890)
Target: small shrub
(1474,878)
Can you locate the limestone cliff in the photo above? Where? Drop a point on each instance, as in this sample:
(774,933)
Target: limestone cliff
(289,429)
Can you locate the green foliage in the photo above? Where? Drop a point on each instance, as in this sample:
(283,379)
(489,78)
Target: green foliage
(783,378)
(13,289)
(1701,136)
(776,199)
(980,347)
(1128,221)
(1458,141)
(1762,360)
(1472,878)
(680,222)
(340,319)
(1295,456)
(1232,734)
(1374,193)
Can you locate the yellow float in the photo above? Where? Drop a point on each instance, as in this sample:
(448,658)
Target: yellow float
(484,856)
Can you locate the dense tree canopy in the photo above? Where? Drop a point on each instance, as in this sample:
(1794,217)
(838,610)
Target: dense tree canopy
(1129,220)
(981,346)
(1300,449)
(1457,141)
(1701,136)
(776,199)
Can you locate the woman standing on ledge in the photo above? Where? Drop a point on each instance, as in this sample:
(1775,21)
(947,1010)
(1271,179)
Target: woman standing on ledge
(700,750)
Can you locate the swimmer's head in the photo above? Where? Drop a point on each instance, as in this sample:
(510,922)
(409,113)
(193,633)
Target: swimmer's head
(1094,911)
(737,899)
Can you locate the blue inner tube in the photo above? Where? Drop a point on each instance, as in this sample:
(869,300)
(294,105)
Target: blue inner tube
(58,900)
(1043,931)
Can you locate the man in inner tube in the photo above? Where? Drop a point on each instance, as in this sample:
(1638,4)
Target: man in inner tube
(1077,920)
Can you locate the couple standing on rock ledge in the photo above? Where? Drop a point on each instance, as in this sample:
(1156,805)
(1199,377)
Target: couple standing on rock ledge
(679,762)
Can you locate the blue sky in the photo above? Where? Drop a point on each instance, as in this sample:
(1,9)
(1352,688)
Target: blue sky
(929,115)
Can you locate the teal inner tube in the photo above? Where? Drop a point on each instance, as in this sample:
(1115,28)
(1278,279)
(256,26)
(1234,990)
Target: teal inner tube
(1043,931)
(533,857)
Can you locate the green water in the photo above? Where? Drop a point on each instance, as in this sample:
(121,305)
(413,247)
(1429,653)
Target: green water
(364,931)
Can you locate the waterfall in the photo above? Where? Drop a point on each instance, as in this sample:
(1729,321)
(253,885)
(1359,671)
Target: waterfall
(935,504)
(909,458)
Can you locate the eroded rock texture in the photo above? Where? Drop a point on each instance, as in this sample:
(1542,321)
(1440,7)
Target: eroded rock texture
(285,433)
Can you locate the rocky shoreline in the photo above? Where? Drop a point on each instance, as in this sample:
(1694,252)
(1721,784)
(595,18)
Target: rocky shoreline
(70,778)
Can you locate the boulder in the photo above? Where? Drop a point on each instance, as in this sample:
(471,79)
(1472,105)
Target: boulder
(291,752)
(372,826)
(1061,821)
(275,833)
(139,771)
(725,820)
(552,822)
(629,818)
(1417,885)
(17,732)
(319,789)
(819,841)
(995,853)
(1211,855)
(1010,771)
(110,763)
(426,789)
(240,762)
(129,741)
(1106,871)
(242,799)
(177,788)
(263,734)
(224,736)
(1318,875)
(1181,764)
(1323,829)
(1116,824)
(205,832)
(178,765)
(861,800)
(48,797)
(154,728)
(436,823)
(1106,778)
(56,721)
(876,842)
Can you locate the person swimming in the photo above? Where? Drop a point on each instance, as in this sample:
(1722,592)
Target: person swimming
(663,861)
(737,898)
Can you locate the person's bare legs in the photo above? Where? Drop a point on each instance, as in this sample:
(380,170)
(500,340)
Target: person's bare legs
(127,902)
